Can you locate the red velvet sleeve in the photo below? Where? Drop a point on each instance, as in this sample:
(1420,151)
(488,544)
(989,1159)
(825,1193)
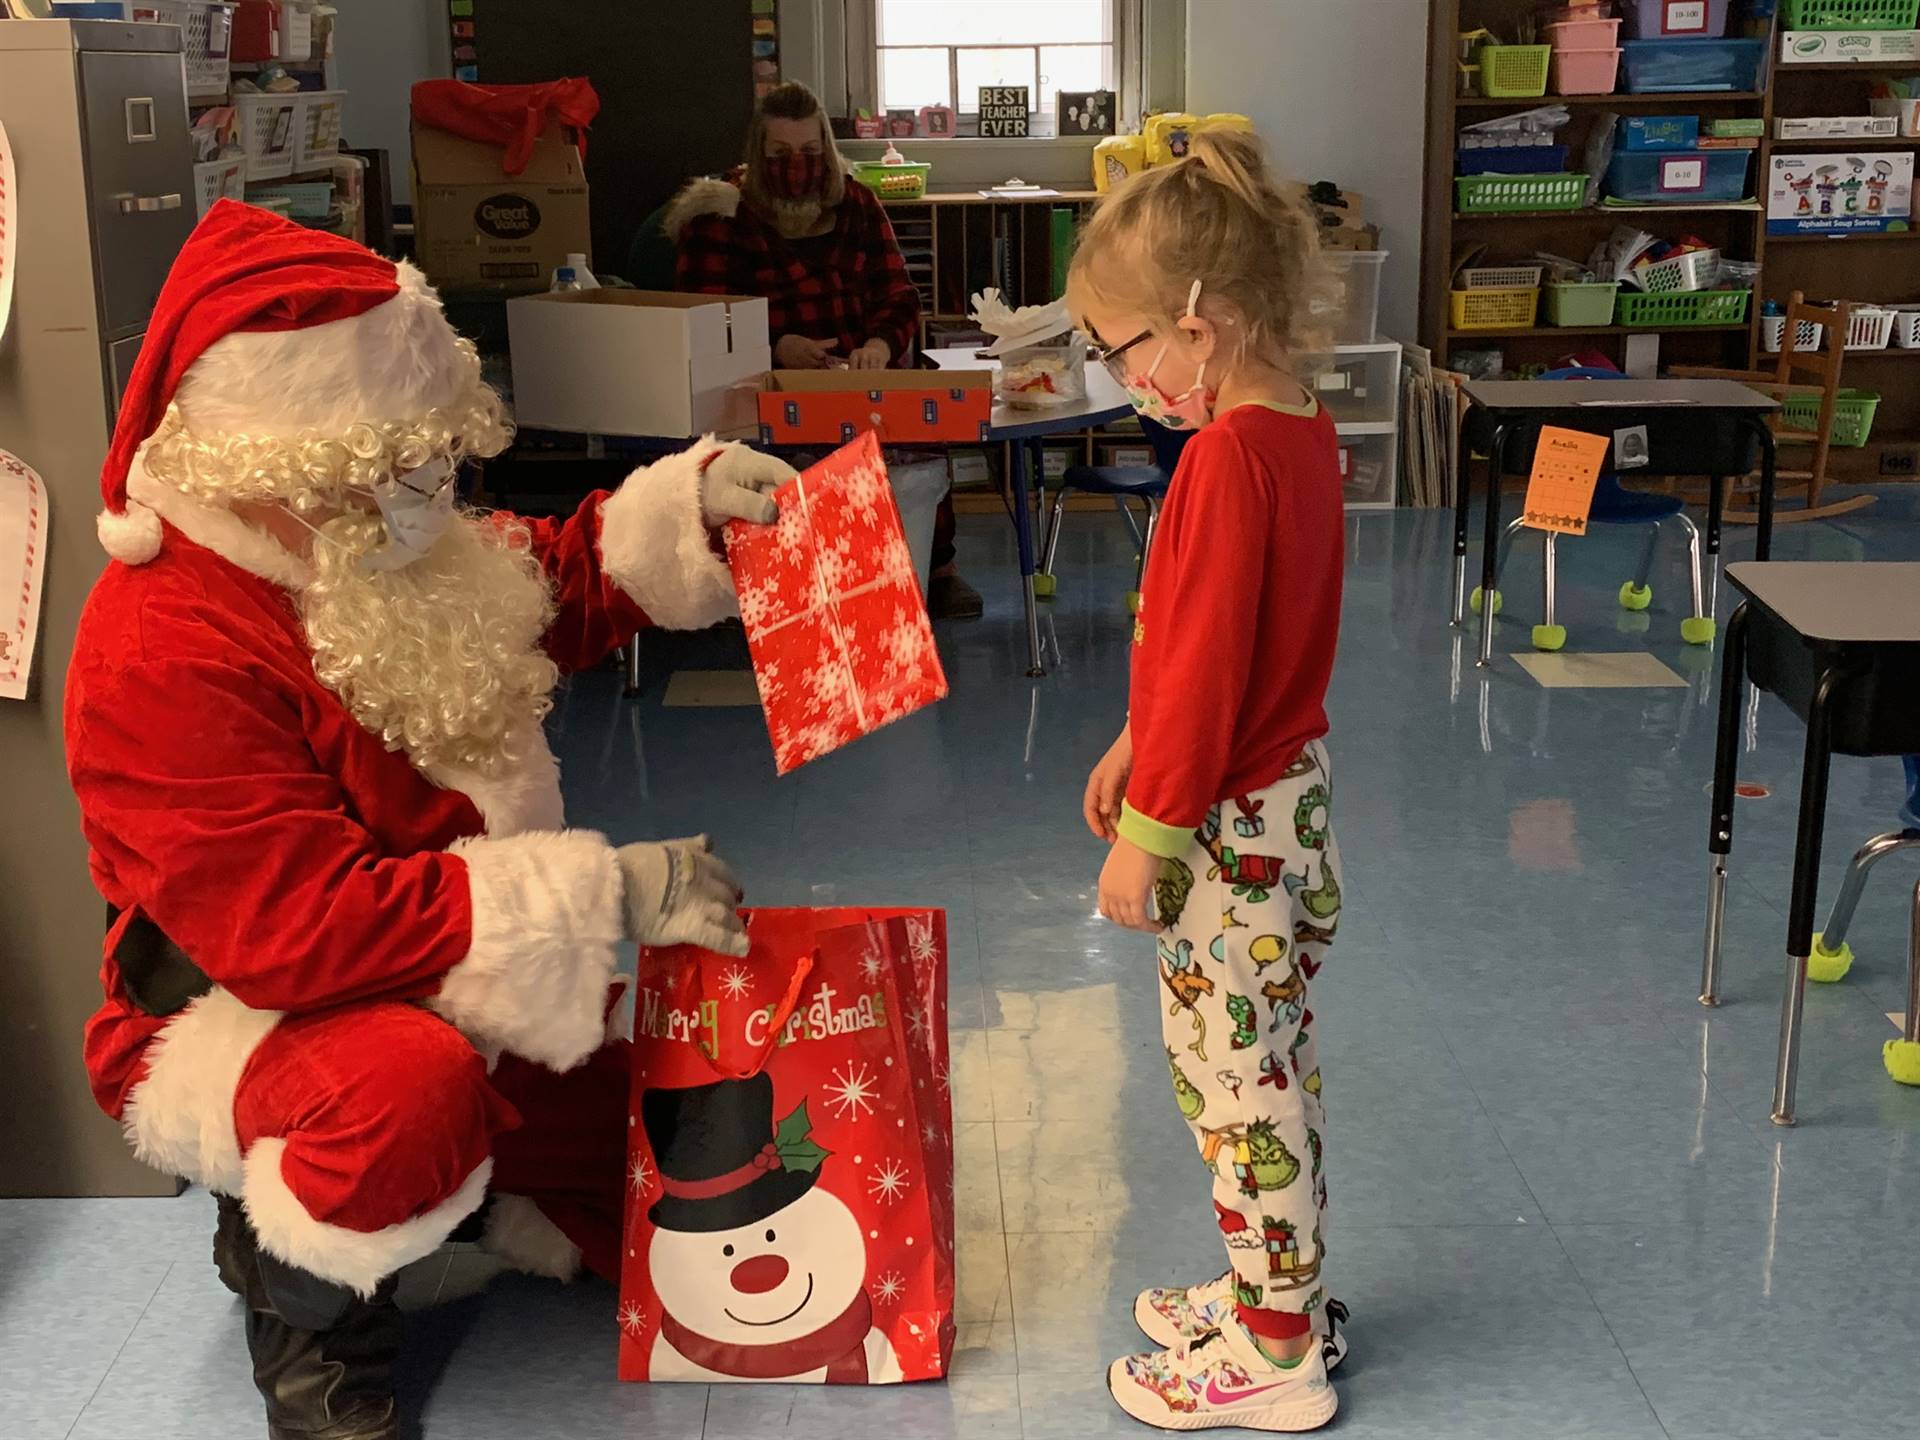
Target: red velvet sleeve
(1196,650)
(198,790)
(593,615)
(892,304)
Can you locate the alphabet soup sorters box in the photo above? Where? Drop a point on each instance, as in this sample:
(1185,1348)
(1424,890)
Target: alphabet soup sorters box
(479,229)
(903,407)
(637,362)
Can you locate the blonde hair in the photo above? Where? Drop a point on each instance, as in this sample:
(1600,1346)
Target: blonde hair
(1218,217)
(789,101)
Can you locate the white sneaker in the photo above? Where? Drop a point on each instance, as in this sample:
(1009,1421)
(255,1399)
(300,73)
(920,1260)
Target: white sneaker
(1172,1317)
(1222,1380)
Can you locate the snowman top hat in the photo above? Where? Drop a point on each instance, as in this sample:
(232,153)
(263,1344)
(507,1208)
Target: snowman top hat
(722,1163)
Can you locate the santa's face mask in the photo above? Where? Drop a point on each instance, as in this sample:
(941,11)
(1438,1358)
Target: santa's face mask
(417,508)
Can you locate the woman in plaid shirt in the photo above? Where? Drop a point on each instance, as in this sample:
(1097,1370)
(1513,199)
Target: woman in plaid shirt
(787,225)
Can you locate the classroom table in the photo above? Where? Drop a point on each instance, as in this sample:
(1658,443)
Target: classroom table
(1714,428)
(1024,429)
(1839,642)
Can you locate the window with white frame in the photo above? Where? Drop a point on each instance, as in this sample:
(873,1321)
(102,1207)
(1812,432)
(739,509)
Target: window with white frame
(941,52)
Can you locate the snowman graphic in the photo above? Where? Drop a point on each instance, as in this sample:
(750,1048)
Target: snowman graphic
(761,1274)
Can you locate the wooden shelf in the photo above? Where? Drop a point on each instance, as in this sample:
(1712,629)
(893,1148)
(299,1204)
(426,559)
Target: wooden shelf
(1842,143)
(1851,67)
(1616,102)
(1892,352)
(1861,237)
(1601,212)
(1534,330)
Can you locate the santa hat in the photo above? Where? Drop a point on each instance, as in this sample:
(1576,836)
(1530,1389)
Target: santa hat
(264,330)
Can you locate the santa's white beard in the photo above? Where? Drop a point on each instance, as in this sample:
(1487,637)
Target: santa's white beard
(795,218)
(440,658)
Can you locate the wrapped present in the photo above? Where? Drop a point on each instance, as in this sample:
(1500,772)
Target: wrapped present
(791,1157)
(834,616)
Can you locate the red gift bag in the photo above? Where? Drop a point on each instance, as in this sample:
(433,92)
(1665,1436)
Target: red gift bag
(790,1197)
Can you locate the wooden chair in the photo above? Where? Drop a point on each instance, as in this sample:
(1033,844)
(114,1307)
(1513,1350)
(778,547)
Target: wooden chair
(1822,366)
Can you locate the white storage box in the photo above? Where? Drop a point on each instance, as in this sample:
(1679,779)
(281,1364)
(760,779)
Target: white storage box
(269,134)
(1869,328)
(213,179)
(1905,114)
(296,30)
(637,362)
(1695,270)
(317,128)
(1827,47)
(1367,466)
(1836,127)
(205,32)
(1906,326)
(1839,192)
(1356,316)
(1359,384)
(1773,335)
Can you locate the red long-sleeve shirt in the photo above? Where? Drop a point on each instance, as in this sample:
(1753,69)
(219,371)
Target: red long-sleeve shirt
(1239,619)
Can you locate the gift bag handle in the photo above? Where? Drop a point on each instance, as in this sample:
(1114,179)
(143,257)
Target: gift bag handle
(777,1022)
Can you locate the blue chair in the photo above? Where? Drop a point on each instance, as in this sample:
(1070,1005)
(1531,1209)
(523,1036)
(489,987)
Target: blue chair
(1613,504)
(1125,483)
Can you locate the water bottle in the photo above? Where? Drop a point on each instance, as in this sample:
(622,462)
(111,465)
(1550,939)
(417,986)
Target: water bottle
(565,279)
(578,263)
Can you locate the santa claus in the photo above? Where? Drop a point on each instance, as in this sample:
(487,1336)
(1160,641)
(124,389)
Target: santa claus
(357,969)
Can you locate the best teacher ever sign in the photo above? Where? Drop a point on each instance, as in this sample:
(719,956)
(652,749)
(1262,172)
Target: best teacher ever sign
(1003,110)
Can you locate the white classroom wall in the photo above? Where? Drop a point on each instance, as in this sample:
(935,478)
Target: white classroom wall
(380,47)
(1337,89)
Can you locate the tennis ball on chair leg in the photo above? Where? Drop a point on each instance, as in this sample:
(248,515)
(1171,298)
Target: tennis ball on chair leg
(1044,587)
(1902,1059)
(1829,967)
(1549,637)
(1476,600)
(1698,629)
(1635,597)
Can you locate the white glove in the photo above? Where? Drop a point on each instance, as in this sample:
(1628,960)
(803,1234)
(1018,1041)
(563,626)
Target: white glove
(739,485)
(678,892)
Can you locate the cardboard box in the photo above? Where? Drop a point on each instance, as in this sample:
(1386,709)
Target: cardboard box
(1836,127)
(1904,113)
(830,407)
(1839,193)
(637,362)
(1827,47)
(477,229)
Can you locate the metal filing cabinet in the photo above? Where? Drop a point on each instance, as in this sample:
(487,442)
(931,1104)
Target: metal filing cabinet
(96,112)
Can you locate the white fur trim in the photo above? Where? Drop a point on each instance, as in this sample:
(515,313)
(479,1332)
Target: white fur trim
(653,543)
(547,923)
(358,1259)
(179,1118)
(220,530)
(519,1232)
(524,798)
(133,537)
(697,198)
(395,362)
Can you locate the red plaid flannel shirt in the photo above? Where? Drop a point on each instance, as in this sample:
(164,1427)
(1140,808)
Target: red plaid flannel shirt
(858,290)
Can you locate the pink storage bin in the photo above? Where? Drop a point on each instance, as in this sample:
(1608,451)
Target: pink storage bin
(1561,14)
(1676,19)
(1585,72)
(1582,35)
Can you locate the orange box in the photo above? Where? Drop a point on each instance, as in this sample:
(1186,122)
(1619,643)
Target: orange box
(904,407)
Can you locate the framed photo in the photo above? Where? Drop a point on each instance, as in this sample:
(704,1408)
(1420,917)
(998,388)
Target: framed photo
(936,121)
(900,123)
(1084,112)
(1003,111)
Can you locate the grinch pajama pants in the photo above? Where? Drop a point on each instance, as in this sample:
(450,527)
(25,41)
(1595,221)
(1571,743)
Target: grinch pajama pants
(1250,910)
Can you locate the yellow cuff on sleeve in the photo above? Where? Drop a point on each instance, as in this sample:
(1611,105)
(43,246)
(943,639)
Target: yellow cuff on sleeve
(1166,841)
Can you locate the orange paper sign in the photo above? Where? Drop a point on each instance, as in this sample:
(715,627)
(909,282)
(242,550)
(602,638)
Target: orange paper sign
(1566,467)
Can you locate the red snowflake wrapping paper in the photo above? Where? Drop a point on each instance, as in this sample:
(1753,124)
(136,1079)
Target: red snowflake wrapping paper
(790,1163)
(834,615)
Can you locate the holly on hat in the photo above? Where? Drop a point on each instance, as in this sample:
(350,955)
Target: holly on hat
(723,1163)
(288,364)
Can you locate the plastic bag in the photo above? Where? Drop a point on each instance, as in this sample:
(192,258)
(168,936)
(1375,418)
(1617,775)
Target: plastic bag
(509,116)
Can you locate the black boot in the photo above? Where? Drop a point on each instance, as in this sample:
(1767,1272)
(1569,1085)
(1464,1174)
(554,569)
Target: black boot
(322,1357)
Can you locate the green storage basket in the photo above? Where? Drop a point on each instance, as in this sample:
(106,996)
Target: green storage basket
(1514,72)
(1853,412)
(1852,14)
(1681,308)
(1511,194)
(1577,303)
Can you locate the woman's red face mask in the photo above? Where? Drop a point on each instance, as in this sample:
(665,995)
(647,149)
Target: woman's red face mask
(798,175)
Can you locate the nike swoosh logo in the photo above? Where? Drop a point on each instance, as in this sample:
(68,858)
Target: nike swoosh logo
(1218,1396)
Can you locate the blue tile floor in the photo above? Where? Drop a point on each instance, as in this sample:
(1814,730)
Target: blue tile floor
(1560,1208)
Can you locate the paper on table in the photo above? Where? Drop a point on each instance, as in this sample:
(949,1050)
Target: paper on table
(23,556)
(1566,467)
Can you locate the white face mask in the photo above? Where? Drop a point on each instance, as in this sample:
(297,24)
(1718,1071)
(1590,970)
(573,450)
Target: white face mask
(417,508)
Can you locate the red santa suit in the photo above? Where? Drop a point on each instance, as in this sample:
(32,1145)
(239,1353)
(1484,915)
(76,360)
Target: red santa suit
(406,967)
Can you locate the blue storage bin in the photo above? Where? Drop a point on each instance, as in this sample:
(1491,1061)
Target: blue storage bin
(1683,65)
(1678,177)
(1659,132)
(1510,160)
(1675,19)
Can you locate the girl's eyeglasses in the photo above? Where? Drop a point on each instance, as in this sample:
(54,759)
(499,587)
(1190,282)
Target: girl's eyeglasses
(1109,355)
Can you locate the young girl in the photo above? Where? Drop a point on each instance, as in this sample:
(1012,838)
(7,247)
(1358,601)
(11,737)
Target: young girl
(1197,282)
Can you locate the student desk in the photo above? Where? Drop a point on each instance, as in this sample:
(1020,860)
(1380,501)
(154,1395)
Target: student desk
(1840,643)
(1715,428)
